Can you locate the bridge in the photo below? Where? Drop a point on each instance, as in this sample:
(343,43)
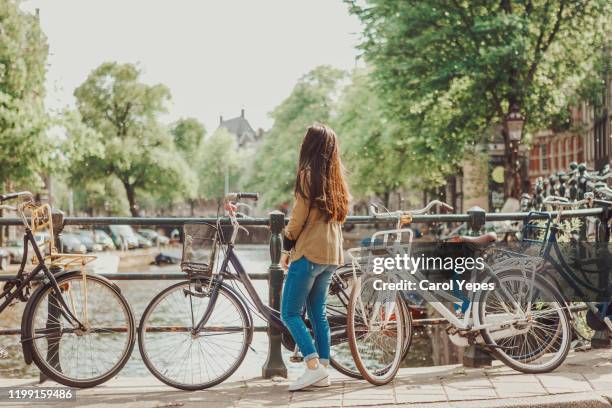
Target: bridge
(584,380)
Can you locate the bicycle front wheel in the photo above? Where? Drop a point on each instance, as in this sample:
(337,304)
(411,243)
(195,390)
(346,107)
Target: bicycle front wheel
(528,324)
(187,359)
(80,357)
(337,311)
(377,324)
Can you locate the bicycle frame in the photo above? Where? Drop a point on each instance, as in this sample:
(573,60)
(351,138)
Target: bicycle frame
(435,299)
(269,314)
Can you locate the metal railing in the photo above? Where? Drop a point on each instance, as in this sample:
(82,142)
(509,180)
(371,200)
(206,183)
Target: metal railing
(276,221)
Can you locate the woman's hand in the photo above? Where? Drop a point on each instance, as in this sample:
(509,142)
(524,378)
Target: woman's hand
(284,261)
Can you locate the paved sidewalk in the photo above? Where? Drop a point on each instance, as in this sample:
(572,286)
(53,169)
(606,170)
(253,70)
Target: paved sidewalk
(584,380)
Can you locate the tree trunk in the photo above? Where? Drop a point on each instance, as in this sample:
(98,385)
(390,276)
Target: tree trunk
(131,196)
(192,207)
(386,196)
(509,166)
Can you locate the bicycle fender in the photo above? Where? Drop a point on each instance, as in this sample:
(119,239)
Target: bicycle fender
(78,272)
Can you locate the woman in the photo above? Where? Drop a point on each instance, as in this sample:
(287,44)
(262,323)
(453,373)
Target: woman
(313,243)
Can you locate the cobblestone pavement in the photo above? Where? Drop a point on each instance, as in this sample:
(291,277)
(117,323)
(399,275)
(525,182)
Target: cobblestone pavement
(584,380)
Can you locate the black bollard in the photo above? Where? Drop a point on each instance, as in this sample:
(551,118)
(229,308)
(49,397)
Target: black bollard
(274,364)
(475,355)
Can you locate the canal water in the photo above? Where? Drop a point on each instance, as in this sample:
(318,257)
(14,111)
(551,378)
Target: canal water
(429,347)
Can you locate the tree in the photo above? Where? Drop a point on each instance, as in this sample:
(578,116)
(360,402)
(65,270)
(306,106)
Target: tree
(218,158)
(276,160)
(132,145)
(372,149)
(23,55)
(451,69)
(188,134)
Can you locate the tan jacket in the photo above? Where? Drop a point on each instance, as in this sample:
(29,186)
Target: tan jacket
(318,240)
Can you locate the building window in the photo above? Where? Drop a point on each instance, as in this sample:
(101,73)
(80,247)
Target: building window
(543,158)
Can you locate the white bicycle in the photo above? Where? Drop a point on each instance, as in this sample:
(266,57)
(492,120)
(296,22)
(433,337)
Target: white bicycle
(524,322)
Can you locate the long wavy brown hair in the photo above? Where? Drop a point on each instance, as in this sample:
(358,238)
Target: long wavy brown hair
(320,178)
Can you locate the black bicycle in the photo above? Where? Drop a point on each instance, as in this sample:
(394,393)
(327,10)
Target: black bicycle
(585,276)
(76,327)
(196,333)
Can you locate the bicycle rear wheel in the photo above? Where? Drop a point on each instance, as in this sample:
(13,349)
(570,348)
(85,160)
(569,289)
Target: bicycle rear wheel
(72,356)
(377,325)
(181,357)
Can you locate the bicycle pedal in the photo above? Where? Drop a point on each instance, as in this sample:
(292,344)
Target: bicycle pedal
(296,359)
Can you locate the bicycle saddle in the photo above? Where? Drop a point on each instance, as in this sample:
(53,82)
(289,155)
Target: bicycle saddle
(481,239)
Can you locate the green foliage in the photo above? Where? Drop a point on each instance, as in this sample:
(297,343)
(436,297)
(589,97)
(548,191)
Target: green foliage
(275,165)
(120,136)
(447,70)
(188,135)
(371,146)
(23,55)
(103,196)
(218,157)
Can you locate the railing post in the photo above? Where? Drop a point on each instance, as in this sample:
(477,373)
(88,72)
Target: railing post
(601,338)
(274,365)
(475,355)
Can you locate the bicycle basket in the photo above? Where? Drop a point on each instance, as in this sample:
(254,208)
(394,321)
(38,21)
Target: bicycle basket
(364,257)
(200,249)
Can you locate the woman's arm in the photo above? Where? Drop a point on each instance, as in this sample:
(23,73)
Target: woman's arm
(296,222)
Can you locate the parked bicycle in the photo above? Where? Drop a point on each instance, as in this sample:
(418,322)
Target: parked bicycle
(584,186)
(581,274)
(76,327)
(196,333)
(524,322)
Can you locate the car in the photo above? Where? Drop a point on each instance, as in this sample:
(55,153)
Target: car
(143,242)
(99,240)
(71,244)
(15,250)
(88,241)
(103,238)
(154,236)
(123,236)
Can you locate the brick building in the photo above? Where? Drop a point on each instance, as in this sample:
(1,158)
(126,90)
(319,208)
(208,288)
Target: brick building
(552,151)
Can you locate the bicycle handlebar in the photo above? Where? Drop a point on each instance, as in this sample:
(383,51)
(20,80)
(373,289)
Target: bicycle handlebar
(11,196)
(424,210)
(242,195)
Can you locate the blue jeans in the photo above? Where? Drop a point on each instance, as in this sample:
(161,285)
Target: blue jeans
(306,285)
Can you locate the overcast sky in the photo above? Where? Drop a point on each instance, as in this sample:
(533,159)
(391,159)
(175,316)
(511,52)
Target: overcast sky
(215,56)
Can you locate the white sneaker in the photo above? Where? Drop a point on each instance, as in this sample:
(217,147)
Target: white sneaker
(326,382)
(309,377)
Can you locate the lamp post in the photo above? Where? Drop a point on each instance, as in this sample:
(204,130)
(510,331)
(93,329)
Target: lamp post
(514,128)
